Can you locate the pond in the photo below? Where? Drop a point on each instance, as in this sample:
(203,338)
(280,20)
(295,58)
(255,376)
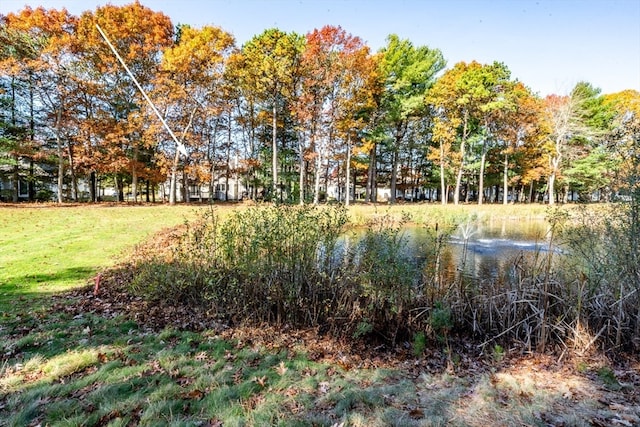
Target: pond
(487,250)
(479,250)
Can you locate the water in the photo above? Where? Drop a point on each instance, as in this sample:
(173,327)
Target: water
(486,251)
(480,251)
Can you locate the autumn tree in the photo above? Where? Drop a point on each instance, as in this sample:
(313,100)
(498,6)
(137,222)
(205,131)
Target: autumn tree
(270,66)
(571,122)
(16,47)
(338,86)
(191,89)
(139,35)
(465,100)
(48,72)
(358,97)
(519,133)
(624,140)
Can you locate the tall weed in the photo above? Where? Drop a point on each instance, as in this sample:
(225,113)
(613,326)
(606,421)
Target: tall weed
(299,266)
(605,245)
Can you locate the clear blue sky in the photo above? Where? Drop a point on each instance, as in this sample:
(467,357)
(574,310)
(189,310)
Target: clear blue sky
(549,45)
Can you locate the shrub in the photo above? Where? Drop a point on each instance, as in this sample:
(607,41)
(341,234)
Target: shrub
(298,266)
(265,263)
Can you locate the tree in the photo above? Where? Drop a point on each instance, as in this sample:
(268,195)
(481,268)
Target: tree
(624,140)
(497,102)
(338,86)
(193,81)
(466,100)
(572,120)
(408,73)
(139,35)
(46,72)
(271,64)
(519,133)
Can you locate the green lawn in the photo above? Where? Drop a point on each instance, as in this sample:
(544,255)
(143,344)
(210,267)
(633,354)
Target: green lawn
(69,359)
(50,249)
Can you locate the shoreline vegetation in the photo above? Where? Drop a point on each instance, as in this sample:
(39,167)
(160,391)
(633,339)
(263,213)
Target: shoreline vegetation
(106,306)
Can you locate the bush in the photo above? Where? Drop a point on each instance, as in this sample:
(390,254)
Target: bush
(298,266)
(291,265)
(266,263)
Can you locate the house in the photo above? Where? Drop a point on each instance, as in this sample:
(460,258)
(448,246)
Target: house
(42,177)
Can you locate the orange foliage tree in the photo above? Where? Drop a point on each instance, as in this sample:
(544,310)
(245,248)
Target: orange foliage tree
(338,85)
(43,66)
(193,91)
(139,35)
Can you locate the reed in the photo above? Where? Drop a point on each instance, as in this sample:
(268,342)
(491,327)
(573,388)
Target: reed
(302,266)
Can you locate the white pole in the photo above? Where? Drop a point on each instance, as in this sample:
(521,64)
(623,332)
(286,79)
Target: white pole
(179,144)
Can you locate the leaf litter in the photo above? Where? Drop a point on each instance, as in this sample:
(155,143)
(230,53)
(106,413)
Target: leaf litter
(475,390)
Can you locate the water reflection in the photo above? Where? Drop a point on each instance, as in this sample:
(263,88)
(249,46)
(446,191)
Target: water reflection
(491,250)
(474,250)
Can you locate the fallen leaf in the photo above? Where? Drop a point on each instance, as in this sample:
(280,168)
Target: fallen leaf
(416,413)
(262,381)
(323,387)
(194,395)
(281,369)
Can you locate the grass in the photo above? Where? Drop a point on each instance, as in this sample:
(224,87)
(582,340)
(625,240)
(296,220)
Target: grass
(44,250)
(433,213)
(69,359)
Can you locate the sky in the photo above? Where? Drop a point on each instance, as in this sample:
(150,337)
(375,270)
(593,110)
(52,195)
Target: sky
(549,45)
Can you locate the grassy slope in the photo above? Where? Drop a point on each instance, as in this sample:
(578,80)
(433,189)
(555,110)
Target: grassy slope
(64,363)
(49,249)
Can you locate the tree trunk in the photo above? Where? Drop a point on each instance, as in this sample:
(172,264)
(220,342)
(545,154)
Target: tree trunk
(74,178)
(116,182)
(31,188)
(326,179)
(355,180)
(348,171)
(456,194)
(551,191)
(505,179)
(185,186)
(555,165)
(174,179)
(442,177)
(531,192)
(302,169)
(274,156)
(16,168)
(483,160)
(228,160)
(394,173)
(371,195)
(16,180)
(226,187)
(134,175)
(316,186)
(60,169)
(32,135)
(92,187)
(400,132)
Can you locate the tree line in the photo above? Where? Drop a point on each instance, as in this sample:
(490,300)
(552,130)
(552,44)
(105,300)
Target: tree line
(287,114)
